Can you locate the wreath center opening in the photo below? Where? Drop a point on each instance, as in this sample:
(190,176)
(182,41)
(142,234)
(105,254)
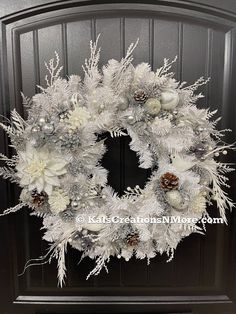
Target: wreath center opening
(122,164)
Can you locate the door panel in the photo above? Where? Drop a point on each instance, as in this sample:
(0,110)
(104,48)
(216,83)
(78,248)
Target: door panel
(201,279)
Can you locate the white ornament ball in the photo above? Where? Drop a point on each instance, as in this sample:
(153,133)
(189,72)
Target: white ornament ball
(169,99)
(41,121)
(152,106)
(174,199)
(131,119)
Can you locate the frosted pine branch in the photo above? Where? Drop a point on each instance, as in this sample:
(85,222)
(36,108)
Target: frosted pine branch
(13,209)
(166,66)
(54,70)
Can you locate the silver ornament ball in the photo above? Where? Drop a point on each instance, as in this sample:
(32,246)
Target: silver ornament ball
(48,128)
(35,129)
(74,204)
(131,119)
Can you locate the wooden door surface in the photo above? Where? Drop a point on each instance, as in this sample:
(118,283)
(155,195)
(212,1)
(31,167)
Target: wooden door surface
(201,278)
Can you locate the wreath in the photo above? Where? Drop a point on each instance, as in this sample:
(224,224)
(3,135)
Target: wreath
(59,151)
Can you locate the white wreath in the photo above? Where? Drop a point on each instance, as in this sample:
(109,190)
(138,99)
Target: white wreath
(57,164)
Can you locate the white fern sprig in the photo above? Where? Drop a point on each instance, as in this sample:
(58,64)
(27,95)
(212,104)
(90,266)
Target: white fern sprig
(8,173)
(8,129)
(11,162)
(40,214)
(117,132)
(219,195)
(17,125)
(26,101)
(100,264)
(199,82)
(218,134)
(18,122)
(166,66)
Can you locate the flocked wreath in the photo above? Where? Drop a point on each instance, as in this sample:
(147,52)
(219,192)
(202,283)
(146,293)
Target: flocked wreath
(58,159)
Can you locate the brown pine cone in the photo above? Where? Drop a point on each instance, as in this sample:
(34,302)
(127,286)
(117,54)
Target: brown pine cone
(140,95)
(169,181)
(38,199)
(132,239)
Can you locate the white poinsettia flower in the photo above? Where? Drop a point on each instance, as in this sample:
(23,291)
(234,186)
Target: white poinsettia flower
(40,168)
(78,117)
(161,127)
(58,200)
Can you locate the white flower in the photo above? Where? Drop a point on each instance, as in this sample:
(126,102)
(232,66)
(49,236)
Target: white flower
(58,200)
(78,117)
(40,168)
(161,127)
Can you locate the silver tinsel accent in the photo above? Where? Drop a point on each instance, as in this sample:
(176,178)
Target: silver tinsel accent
(141,128)
(69,140)
(75,167)
(199,150)
(83,241)
(68,214)
(165,115)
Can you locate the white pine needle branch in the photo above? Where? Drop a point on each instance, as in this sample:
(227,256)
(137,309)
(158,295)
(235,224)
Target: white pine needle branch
(13,209)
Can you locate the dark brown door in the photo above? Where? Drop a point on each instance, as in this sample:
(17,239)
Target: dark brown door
(201,279)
